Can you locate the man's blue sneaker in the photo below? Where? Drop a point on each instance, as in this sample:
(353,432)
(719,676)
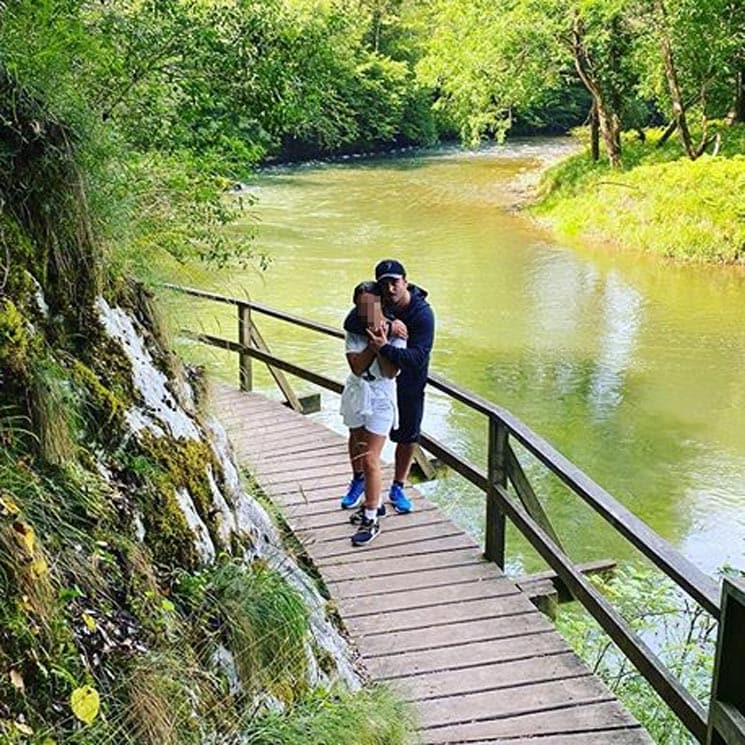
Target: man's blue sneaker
(355,494)
(399,500)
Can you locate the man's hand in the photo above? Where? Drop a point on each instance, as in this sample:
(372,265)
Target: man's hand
(398,328)
(378,338)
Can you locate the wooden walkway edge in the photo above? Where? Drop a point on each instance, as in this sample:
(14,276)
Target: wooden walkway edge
(428,614)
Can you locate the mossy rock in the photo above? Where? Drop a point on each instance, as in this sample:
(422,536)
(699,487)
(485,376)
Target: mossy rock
(15,337)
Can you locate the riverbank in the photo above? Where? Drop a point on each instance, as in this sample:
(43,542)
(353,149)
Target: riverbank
(659,203)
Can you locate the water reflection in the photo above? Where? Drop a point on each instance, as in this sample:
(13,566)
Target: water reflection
(622,319)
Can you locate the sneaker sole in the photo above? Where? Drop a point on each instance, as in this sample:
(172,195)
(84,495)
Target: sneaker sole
(401,510)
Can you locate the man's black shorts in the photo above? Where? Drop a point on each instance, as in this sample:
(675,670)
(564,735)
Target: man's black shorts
(410,413)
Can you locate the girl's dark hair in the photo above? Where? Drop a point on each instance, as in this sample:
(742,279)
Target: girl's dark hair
(369,286)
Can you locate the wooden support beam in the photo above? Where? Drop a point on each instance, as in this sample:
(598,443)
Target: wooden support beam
(245,372)
(726,724)
(422,463)
(527,496)
(547,590)
(311,403)
(279,377)
(496,526)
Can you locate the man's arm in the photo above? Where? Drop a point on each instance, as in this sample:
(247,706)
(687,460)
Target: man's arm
(421,338)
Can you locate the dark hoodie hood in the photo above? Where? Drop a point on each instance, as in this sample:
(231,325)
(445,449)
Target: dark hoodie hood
(355,325)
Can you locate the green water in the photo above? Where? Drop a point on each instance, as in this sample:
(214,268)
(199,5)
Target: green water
(632,367)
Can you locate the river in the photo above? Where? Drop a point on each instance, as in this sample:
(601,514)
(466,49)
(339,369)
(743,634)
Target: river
(631,366)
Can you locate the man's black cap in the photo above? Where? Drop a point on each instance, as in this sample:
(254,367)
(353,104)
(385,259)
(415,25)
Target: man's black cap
(389,269)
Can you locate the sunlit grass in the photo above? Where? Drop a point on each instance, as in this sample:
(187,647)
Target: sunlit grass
(659,202)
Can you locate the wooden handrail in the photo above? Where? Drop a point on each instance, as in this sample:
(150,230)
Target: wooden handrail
(696,583)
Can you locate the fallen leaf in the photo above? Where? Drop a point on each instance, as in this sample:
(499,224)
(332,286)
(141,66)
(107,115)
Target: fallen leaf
(8,506)
(24,729)
(85,703)
(17,680)
(25,534)
(39,567)
(89,621)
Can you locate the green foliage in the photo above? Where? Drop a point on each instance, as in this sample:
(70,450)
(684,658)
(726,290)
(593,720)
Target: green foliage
(371,717)
(262,620)
(678,630)
(704,222)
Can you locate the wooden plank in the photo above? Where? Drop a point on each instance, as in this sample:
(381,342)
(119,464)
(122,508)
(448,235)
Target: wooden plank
(316,490)
(279,377)
(366,567)
(305,450)
(600,717)
(625,736)
(410,581)
(491,677)
(527,495)
(452,636)
(443,615)
(333,458)
(527,699)
(496,527)
(727,712)
(245,369)
(401,552)
(527,646)
(428,597)
(328,512)
(390,522)
(408,528)
(314,519)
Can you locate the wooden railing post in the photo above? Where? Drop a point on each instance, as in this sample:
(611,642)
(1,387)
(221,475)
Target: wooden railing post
(245,371)
(727,707)
(496,476)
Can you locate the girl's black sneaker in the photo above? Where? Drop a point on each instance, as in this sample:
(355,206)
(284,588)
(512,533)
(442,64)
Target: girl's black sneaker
(366,532)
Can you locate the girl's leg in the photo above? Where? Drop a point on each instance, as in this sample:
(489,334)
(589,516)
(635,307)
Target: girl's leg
(356,449)
(373,446)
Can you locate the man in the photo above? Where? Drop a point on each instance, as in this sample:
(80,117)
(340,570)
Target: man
(407,303)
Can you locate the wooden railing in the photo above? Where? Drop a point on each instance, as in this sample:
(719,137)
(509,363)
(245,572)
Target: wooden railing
(527,514)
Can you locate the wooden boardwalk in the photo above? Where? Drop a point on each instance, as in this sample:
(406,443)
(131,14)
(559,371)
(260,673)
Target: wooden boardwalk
(427,613)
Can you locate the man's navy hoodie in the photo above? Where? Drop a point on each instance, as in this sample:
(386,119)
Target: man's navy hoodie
(413,361)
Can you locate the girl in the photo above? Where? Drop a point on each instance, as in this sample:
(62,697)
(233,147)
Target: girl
(368,408)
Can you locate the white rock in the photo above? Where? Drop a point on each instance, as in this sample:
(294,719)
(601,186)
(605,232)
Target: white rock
(202,541)
(150,382)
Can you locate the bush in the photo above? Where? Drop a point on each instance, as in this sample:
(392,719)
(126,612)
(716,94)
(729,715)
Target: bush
(678,630)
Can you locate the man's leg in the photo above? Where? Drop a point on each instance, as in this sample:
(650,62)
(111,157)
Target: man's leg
(404,459)
(406,436)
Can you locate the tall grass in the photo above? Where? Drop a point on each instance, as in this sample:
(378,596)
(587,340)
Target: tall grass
(659,202)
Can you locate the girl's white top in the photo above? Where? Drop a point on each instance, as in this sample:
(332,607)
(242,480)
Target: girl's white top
(361,393)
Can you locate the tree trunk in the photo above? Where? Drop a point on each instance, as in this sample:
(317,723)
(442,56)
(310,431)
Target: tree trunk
(738,112)
(595,133)
(671,73)
(609,123)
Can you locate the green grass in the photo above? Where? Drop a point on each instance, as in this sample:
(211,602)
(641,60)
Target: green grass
(658,202)
(371,717)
